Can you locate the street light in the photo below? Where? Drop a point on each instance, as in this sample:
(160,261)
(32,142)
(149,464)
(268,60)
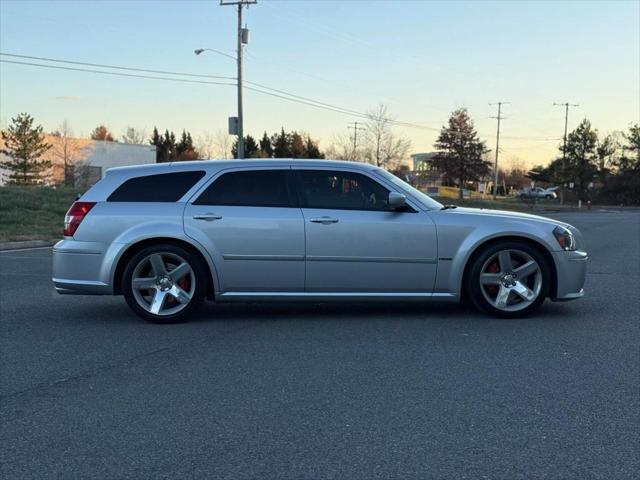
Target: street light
(236,124)
(198,51)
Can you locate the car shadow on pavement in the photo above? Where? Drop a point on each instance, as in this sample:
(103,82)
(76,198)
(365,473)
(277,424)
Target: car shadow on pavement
(117,312)
(346,311)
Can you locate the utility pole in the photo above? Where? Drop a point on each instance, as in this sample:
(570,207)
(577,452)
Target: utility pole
(495,168)
(243,38)
(355,128)
(566,106)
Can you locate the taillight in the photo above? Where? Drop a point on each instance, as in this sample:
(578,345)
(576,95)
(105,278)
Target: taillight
(75,215)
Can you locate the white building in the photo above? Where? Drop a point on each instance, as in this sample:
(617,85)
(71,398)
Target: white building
(89,159)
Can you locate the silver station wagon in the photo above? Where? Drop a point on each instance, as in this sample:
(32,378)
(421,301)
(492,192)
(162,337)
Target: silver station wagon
(168,236)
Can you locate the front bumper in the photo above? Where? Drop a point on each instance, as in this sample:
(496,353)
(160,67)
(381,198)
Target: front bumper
(78,268)
(571,268)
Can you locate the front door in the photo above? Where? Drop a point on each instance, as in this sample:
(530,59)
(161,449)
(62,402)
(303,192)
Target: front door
(356,243)
(248,221)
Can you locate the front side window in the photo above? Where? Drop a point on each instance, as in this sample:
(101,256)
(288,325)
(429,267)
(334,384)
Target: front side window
(334,189)
(165,187)
(256,188)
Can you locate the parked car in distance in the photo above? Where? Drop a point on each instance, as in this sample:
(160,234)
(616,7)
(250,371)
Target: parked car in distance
(168,236)
(536,193)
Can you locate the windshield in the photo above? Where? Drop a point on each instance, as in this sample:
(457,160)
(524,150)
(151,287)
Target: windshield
(404,186)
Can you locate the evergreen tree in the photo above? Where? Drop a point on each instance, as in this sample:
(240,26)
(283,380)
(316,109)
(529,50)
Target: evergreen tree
(625,186)
(580,157)
(24,144)
(460,152)
(297,146)
(265,146)
(631,151)
(251,148)
(185,149)
(158,142)
(312,150)
(281,145)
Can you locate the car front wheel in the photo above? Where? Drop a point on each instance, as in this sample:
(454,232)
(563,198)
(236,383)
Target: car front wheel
(164,283)
(509,279)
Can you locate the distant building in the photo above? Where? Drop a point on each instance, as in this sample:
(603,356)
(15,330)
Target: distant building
(424,173)
(88,160)
(422,162)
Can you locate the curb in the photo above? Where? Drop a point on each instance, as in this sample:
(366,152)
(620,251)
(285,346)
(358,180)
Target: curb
(4,246)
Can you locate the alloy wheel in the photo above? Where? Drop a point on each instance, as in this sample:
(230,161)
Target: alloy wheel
(163,283)
(510,280)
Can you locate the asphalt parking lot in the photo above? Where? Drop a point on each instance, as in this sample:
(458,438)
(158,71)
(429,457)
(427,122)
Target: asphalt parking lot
(325,391)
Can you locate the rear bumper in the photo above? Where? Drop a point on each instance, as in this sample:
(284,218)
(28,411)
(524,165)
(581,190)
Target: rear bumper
(571,268)
(78,268)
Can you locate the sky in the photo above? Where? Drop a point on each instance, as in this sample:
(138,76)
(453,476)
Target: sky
(422,59)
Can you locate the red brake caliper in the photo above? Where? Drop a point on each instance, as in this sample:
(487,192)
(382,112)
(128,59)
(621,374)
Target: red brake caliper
(184,284)
(492,268)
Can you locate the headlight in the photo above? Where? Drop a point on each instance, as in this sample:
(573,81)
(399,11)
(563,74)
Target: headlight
(565,238)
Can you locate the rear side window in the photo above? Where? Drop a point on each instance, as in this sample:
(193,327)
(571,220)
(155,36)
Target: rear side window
(257,188)
(165,187)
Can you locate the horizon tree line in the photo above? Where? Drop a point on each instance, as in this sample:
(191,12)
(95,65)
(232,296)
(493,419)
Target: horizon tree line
(603,168)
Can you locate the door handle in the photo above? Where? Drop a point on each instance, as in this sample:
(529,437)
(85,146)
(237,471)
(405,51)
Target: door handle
(208,217)
(324,220)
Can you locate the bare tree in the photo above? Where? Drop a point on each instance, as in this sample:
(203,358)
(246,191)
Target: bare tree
(214,145)
(342,148)
(383,147)
(68,150)
(134,136)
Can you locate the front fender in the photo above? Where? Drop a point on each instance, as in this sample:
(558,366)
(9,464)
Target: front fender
(460,236)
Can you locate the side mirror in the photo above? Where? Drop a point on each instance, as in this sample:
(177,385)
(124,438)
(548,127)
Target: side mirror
(397,200)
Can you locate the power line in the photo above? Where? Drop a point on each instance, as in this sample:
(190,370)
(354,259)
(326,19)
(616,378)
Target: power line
(131,75)
(256,87)
(116,67)
(279,93)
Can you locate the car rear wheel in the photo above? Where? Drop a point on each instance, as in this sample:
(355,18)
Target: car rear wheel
(509,279)
(164,283)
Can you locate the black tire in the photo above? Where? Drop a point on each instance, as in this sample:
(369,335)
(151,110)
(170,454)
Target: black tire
(548,197)
(199,276)
(474,287)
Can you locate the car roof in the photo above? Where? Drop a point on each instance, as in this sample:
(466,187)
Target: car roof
(152,168)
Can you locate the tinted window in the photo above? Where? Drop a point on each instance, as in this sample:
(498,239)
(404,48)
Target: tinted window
(166,187)
(342,190)
(258,188)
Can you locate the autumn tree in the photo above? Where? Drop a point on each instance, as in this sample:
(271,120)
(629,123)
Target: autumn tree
(25,146)
(102,133)
(461,154)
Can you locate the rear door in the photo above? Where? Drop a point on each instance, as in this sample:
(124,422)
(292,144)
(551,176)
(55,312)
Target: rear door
(249,221)
(356,242)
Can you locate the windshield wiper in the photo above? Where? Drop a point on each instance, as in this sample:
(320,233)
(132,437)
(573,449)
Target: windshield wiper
(449,207)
